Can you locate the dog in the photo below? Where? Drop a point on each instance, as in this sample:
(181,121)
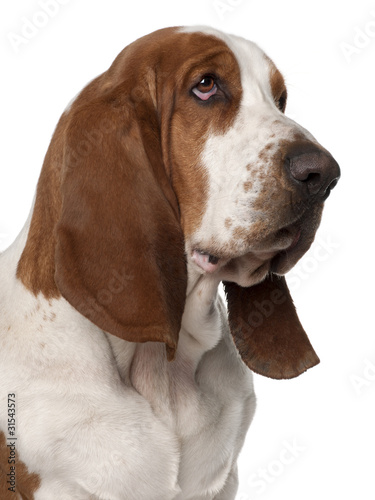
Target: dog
(123,375)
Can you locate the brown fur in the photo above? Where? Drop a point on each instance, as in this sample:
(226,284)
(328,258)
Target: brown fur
(26,483)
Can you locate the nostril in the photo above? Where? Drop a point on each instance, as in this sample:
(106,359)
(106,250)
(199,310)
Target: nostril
(313,177)
(305,170)
(329,188)
(314,182)
(314,171)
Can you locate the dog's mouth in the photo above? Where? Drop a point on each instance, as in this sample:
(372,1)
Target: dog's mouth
(207,262)
(276,255)
(287,254)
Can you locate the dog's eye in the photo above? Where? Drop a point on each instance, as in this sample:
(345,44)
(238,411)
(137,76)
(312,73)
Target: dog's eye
(281,102)
(206,88)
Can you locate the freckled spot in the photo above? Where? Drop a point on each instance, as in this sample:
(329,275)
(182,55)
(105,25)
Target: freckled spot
(228,222)
(53,317)
(263,156)
(276,123)
(247,186)
(42,345)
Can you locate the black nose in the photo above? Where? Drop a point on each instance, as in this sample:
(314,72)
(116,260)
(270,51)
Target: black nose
(314,170)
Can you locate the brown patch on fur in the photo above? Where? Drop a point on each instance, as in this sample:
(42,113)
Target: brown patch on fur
(228,222)
(26,483)
(264,154)
(247,186)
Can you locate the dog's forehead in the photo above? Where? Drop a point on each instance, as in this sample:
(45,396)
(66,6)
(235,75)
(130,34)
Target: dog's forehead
(255,66)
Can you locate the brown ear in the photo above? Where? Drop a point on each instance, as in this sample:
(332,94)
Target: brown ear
(266,329)
(120,249)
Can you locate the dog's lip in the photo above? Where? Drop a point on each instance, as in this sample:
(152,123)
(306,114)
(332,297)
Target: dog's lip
(287,253)
(285,239)
(295,241)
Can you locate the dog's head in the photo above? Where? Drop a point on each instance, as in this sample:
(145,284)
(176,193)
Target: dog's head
(182,151)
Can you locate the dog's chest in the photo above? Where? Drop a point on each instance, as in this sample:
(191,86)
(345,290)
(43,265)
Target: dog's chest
(173,390)
(207,407)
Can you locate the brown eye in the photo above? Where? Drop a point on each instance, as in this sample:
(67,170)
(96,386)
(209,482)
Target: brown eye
(206,84)
(206,88)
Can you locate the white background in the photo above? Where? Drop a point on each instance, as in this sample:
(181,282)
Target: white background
(327,416)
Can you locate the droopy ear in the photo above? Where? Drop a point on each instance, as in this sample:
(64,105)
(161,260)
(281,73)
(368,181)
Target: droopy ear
(266,329)
(120,249)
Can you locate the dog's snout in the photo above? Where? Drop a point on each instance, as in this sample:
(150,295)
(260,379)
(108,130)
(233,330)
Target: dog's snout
(314,170)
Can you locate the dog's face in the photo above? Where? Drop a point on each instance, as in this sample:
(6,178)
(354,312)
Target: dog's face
(251,182)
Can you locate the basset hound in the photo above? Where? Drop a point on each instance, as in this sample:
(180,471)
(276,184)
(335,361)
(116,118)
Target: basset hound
(123,376)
